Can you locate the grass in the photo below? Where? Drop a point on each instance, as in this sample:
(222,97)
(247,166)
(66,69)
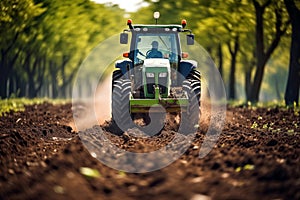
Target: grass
(269,104)
(18,104)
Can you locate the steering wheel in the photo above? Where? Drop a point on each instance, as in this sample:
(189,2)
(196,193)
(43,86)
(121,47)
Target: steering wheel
(147,53)
(139,52)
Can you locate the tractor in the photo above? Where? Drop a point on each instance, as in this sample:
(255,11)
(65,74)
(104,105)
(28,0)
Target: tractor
(155,78)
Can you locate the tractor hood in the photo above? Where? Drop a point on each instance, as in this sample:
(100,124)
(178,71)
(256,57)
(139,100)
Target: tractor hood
(156,72)
(157,62)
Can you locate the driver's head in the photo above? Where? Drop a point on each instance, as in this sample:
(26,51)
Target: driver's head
(154,44)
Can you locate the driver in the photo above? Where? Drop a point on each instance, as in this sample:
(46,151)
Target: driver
(154,53)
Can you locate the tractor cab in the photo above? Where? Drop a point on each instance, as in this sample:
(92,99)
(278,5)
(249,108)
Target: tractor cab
(148,42)
(155,41)
(166,37)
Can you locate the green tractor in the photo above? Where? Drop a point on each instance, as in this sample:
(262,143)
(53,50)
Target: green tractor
(155,79)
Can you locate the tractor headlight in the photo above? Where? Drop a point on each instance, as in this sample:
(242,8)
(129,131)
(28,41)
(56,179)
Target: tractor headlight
(150,75)
(162,74)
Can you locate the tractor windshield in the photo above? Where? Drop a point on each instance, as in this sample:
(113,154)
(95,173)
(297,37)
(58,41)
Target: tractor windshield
(154,45)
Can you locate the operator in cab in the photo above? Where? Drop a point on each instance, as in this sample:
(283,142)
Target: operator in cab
(154,53)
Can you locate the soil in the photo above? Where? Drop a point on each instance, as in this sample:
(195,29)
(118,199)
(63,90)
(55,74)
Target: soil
(256,157)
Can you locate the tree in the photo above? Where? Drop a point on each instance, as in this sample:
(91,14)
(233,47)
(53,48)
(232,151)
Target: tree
(263,53)
(293,83)
(15,16)
(233,52)
(43,42)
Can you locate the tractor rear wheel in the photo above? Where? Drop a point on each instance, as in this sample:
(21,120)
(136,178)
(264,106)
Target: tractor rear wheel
(190,119)
(117,74)
(120,104)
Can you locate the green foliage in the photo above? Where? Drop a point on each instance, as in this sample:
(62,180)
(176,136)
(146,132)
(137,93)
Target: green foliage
(219,23)
(18,104)
(264,104)
(43,43)
(11,105)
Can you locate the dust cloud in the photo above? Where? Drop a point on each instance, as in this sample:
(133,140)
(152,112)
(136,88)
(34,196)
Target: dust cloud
(93,111)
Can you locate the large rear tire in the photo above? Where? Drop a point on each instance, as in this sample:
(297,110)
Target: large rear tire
(192,88)
(117,74)
(120,104)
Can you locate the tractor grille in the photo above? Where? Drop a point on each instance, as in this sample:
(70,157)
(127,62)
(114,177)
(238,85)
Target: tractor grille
(150,85)
(162,83)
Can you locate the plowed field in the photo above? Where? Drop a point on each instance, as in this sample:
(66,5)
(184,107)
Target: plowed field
(256,157)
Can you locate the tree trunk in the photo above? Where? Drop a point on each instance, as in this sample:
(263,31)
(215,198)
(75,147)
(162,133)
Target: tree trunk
(54,84)
(65,80)
(40,73)
(260,65)
(4,68)
(293,83)
(31,71)
(263,54)
(220,54)
(277,90)
(233,52)
(249,66)
(31,82)
(248,84)
(6,65)
(21,86)
(3,84)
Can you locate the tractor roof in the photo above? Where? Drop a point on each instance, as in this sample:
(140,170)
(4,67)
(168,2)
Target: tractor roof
(150,27)
(154,27)
(170,26)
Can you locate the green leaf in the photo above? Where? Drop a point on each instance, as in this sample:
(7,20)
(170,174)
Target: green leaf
(249,167)
(254,125)
(246,167)
(122,173)
(238,169)
(89,172)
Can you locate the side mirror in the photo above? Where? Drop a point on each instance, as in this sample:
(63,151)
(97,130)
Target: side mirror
(190,39)
(124,38)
